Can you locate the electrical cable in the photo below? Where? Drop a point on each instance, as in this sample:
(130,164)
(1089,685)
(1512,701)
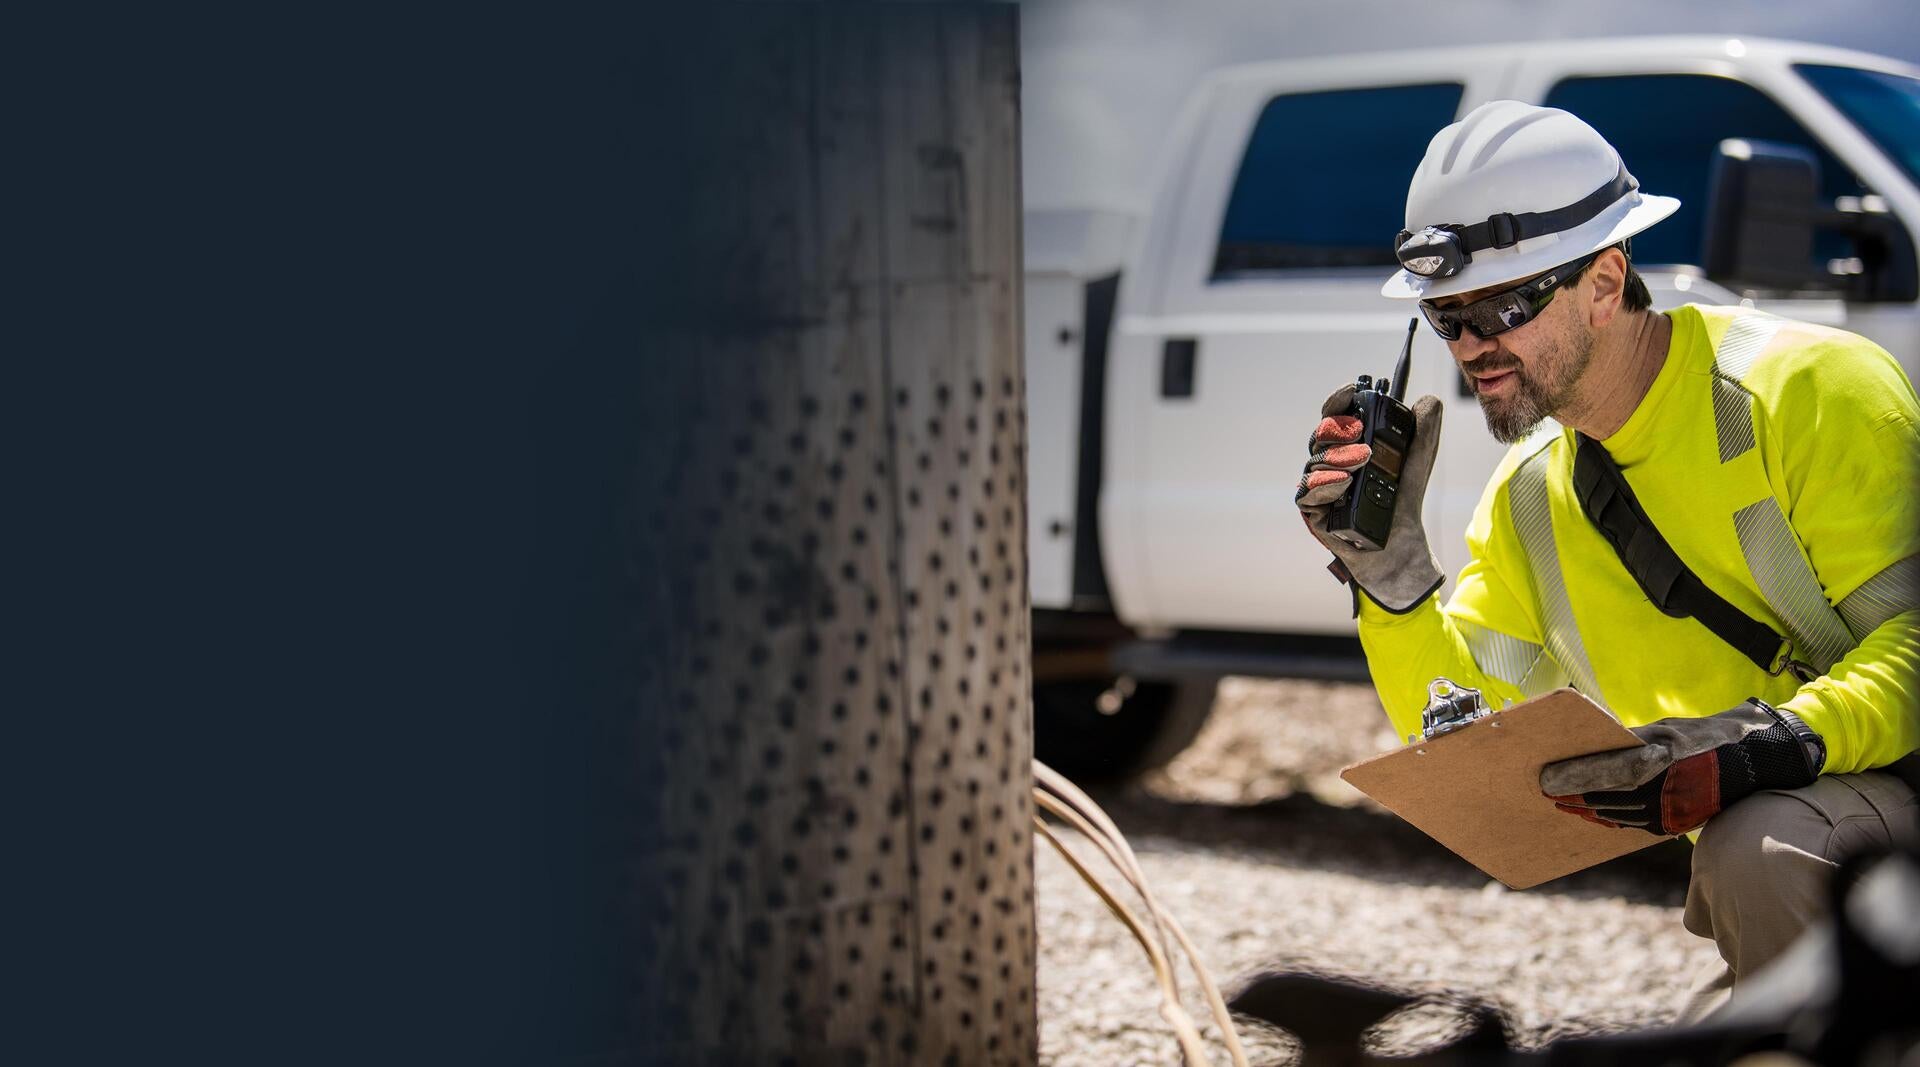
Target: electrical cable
(1053,780)
(1057,795)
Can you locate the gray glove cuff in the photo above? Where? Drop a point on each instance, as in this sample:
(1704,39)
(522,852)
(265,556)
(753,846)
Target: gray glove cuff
(1402,597)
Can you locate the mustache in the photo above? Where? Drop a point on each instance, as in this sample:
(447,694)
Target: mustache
(1490,364)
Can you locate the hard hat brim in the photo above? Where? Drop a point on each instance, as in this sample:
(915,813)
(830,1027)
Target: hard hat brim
(1537,255)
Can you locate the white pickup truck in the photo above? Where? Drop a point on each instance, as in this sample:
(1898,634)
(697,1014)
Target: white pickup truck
(1175,363)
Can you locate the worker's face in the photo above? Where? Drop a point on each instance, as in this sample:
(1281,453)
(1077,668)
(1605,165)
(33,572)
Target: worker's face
(1529,372)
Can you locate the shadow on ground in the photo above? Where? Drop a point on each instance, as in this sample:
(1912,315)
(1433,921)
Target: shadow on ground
(1304,832)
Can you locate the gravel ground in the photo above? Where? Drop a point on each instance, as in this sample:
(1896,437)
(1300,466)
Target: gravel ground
(1271,862)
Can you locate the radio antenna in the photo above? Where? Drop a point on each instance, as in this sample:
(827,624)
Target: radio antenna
(1398,390)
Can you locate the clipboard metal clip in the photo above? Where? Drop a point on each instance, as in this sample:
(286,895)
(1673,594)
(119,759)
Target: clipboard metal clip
(1449,707)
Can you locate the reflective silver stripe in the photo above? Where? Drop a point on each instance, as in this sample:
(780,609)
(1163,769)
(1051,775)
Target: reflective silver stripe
(1541,436)
(1881,597)
(1521,664)
(1527,496)
(1732,418)
(1773,554)
(1788,582)
(1746,336)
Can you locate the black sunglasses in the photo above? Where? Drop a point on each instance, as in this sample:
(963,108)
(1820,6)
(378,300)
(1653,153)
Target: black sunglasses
(1503,311)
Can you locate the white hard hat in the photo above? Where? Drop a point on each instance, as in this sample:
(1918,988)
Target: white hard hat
(1510,191)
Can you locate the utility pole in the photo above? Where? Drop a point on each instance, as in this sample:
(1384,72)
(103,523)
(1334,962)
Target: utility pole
(833,862)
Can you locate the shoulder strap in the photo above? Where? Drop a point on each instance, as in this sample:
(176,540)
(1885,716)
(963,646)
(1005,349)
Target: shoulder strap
(1674,589)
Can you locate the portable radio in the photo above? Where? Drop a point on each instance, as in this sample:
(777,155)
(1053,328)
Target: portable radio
(1364,516)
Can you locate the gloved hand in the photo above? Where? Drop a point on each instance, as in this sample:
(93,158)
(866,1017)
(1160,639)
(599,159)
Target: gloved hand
(1688,770)
(1404,573)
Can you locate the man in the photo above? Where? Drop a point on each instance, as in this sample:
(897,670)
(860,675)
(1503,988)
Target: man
(1778,460)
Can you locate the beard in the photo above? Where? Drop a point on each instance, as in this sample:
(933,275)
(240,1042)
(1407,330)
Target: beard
(1537,394)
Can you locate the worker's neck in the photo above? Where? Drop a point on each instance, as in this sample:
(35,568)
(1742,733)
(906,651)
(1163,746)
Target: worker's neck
(1626,360)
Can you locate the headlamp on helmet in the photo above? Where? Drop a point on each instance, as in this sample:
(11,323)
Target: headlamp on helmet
(1433,252)
(1442,251)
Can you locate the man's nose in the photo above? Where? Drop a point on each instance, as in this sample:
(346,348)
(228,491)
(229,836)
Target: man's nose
(1470,346)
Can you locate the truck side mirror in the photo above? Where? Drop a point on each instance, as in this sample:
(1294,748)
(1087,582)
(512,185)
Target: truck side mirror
(1761,200)
(1763,207)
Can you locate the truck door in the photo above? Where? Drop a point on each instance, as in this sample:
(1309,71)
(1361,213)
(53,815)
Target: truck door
(1263,297)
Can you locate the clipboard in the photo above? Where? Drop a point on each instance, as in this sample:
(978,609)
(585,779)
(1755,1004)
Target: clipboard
(1474,786)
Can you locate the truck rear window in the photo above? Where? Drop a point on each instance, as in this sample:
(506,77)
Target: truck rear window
(1668,127)
(1885,106)
(1323,180)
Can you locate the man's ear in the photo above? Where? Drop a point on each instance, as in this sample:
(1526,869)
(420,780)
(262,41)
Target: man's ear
(1605,284)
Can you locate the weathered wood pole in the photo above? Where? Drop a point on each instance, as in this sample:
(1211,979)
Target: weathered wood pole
(828,547)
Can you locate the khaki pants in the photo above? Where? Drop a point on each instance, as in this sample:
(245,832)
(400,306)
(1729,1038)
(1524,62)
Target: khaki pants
(1761,868)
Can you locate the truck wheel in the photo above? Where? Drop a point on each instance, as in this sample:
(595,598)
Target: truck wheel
(1110,729)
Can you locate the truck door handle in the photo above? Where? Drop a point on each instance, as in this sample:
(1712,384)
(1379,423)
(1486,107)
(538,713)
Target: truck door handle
(1178,356)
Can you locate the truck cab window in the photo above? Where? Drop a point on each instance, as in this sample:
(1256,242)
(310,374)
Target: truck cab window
(1885,106)
(1668,127)
(1323,179)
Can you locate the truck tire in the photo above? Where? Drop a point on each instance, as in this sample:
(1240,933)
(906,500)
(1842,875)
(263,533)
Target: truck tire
(1112,729)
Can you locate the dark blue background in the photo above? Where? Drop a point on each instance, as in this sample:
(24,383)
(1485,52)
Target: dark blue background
(319,339)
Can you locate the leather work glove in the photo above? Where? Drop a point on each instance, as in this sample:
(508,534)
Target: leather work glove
(1687,770)
(1404,573)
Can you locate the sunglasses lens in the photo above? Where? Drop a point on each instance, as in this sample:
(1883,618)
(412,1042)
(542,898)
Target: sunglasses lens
(1498,313)
(1443,323)
(1494,315)
(1501,312)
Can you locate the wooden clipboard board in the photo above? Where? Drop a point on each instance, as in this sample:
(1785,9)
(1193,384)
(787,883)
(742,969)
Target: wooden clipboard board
(1476,789)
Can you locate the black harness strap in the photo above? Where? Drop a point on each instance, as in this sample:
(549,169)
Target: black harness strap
(1609,501)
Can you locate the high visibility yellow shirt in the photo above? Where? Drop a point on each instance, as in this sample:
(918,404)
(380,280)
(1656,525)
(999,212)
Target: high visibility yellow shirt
(1781,461)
